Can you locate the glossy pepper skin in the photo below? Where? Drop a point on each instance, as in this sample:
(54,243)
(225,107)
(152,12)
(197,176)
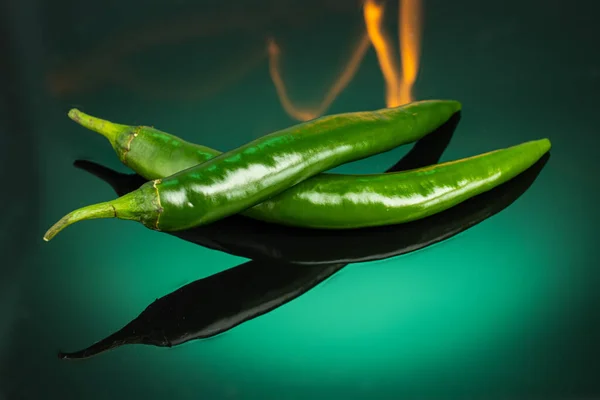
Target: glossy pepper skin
(386,199)
(241,178)
(152,153)
(256,240)
(155,154)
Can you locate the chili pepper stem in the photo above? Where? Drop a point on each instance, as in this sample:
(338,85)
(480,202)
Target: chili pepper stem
(142,205)
(102,210)
(109,130)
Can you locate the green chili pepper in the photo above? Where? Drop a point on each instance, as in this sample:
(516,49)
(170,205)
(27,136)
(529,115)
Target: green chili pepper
(241,178)
(386,199)
(154,154)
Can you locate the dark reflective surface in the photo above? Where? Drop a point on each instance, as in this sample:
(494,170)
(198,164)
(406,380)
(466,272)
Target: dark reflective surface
(279,274)
(213,305)
(508,309)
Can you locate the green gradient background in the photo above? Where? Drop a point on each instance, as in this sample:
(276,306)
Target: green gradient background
(507,309)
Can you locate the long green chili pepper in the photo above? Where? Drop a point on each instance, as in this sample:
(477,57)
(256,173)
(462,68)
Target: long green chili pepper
(241,178)
(385,199)
(154,154)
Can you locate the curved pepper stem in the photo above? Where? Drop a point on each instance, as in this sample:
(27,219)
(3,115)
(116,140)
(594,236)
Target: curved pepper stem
(101,210)
(109,130)
(141,205)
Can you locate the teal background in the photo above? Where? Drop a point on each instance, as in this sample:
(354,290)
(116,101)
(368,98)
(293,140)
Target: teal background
(507,309)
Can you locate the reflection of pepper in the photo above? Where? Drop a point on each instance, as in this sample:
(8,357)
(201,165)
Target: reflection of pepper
(214,305)
(252,173)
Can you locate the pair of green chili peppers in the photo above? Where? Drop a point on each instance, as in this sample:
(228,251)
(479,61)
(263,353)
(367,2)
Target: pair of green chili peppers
(278,178)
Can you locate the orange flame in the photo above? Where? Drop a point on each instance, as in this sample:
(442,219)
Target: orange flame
(410,46)
(338,86)
(373,14)
(399,82)
(102,67)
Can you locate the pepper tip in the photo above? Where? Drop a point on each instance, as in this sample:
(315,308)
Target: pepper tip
(457,105)
(74,114)
(100,210)
(57,227)
(109,130)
